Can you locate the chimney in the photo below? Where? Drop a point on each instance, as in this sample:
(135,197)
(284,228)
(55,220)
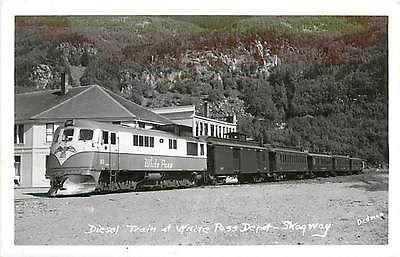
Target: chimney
(64,83)
(232,119)
(206,109)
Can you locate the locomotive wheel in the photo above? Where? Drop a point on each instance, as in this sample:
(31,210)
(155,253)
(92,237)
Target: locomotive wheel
(301,176)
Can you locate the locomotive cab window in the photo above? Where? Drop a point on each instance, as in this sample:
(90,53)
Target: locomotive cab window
(85,134)
(68,134)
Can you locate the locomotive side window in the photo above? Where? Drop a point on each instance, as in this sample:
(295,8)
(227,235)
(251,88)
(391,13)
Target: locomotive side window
(201,149)
(146,141)
(172,144)
(68,135)
(85,134)
(113,138)
(105,137)
(191,148)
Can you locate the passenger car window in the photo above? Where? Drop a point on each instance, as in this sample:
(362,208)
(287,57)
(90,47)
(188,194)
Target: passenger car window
(85,134)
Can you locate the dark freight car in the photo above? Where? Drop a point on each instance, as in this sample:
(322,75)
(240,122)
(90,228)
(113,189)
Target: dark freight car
(227,157)
(319,163)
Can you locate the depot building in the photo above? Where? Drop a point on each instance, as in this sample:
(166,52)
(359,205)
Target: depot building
(39,113)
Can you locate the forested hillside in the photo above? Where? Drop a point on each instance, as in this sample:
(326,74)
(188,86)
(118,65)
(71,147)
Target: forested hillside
(316,82)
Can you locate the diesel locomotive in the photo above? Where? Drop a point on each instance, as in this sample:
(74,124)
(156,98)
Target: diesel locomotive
(88,156)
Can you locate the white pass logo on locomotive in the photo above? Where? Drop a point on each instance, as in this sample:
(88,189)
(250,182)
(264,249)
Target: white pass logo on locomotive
(157,163)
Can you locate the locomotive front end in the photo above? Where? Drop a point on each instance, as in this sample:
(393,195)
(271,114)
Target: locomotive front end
(70,166)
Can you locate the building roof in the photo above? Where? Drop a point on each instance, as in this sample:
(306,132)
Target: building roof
(176,113)
(182,108)
(88,102)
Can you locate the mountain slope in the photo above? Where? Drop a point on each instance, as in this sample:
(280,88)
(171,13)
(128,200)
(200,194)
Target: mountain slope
(317,82)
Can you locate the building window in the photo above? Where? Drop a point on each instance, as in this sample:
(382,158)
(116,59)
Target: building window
(201,128)
(146,141)
(140,140)
(172,144)
(201,149)
(135,140)
(142,124)
(17,165)
(212,130)
(151,141)
(19,134)
(206,129)
(191,148)
(197,129)
(49,132)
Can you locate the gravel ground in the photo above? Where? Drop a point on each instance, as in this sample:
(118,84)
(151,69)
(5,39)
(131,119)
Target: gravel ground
(337,210)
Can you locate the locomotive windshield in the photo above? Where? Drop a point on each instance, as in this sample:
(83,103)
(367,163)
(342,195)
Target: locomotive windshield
(85,134)
(68,134)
